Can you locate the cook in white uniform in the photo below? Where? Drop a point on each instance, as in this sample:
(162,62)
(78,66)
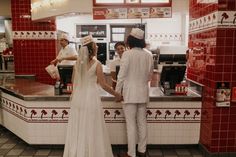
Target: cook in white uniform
(135,72)
(67,55)
(120,48)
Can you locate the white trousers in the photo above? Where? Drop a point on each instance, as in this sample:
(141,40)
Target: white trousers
(136,125)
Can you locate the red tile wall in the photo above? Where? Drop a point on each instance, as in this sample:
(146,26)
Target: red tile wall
(201,9)
(31,56)
(225,5)
(213,60)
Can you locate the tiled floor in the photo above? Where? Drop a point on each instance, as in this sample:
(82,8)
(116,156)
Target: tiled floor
(13,146)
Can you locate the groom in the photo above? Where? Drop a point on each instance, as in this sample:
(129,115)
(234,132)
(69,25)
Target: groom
(135,72)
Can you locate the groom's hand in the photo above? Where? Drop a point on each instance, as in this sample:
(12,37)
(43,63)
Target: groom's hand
(118,98)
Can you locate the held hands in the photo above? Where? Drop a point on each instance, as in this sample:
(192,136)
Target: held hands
(118,97)
(113,81)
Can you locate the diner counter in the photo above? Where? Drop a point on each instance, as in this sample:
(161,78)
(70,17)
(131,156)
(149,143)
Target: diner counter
(43,116)
(30,90)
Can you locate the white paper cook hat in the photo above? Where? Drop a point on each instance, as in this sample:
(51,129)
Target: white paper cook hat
(65,36)
(137,33)
(86,40)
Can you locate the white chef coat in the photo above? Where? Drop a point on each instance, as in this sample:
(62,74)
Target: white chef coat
(67,52)
(114,63)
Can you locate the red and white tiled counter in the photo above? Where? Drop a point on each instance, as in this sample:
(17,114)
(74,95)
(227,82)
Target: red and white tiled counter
(41,118)
(212,60)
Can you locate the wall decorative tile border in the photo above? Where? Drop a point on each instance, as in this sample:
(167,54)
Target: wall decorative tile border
(111,115)
(204,23)
(218,19)
(227,19)
(38,35)
(165,37)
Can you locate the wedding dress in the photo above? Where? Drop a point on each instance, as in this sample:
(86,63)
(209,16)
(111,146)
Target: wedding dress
(87,135)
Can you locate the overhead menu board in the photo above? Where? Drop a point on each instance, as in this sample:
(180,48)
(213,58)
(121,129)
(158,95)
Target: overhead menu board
(134,13)
(97,2)
(131,9)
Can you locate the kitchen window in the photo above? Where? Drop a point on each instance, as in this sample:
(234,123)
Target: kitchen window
(117,34)
(121,32)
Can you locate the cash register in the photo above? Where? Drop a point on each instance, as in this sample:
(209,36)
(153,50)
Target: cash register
(64,85)
(171,75)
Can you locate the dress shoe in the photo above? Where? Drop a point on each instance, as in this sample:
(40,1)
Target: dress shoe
(139,154)
(123,155)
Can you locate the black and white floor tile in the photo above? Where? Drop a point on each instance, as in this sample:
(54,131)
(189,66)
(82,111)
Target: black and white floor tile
(13,146)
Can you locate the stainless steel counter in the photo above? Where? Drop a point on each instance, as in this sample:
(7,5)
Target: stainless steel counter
(30,90)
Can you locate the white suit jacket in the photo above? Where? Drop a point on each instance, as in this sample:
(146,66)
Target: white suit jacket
(135,73)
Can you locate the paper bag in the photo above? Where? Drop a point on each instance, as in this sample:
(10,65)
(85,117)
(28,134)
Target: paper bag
(53,71)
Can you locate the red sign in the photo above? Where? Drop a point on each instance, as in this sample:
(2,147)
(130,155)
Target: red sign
(131,9)
(99,13)
(131,13)
(137,3)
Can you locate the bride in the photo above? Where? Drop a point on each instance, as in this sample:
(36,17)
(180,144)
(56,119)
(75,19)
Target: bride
(87,135)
